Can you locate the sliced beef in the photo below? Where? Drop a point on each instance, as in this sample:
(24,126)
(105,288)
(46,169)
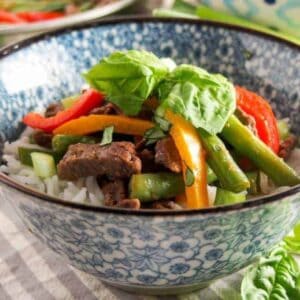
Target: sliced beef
(117,160)
(139,142)
(287,146)
(113,191)
(115,195)
(165,204)
(42,138)
(106,109)
(148,162)
(167,155)
(53,109)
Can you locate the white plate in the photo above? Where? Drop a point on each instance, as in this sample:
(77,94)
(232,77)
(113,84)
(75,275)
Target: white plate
(65,21)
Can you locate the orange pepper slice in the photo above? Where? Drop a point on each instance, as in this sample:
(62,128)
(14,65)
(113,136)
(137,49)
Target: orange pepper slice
(192,154)
(93,123)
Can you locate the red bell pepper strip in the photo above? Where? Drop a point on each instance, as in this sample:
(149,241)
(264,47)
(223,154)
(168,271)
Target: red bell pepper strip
(37,16)
(266,124)
(89,100)
(10,18)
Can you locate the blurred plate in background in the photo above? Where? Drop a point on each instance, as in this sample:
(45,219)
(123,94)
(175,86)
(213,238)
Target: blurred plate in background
(89,15)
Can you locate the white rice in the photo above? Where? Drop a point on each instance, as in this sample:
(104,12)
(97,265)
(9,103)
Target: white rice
(84,190)
(87,190)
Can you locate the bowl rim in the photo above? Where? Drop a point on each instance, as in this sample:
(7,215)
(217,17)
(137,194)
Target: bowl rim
(5,179)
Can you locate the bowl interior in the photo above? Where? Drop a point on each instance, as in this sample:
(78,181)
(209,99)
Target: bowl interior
(33,74)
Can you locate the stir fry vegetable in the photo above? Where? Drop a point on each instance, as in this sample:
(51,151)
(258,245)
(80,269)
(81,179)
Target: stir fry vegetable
(43,164)
(261,155)
(192,154)
(94,123)
(224,197)
(60,142)
(26,159)
(87,102)
(168,133)
(230,176)
(261,111)
(155,186)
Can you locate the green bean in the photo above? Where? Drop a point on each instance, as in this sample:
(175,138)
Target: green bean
(230,176)
(150,187)
(211,175)
(224,197)
(247,144)
(61,142)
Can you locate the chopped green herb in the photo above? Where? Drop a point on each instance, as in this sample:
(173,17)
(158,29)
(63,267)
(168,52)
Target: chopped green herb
(162,122)
(189,177)
(107,136)
(153,135)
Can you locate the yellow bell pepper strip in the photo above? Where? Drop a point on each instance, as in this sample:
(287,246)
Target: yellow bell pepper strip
(93,123)
(192,154)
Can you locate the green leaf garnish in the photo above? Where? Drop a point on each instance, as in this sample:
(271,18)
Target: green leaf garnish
(292,241)
(273,277)
(189,177)
(107,136)
(127,78)
(153,135)
(164,124)
(206,100)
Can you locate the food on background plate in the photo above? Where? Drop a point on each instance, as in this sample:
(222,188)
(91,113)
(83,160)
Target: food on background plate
(28,11)
(150,134)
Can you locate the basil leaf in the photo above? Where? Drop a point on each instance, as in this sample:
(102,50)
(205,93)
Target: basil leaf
(107,137)
(189,177)
(127,78)
(292,241)
(274,277)
(206,100)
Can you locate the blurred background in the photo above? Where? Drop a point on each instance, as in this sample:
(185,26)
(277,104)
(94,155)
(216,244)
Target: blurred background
(23,18)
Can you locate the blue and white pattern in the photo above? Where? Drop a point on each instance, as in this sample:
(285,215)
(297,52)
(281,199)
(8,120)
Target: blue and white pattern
(278,14)
(147,251)
(179,250)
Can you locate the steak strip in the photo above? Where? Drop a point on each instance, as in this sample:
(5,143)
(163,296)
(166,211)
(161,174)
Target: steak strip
(117,160)
(53,109)
(113,191)
(166,154)
(165,204)
(42,138)
(106,109)
(115,195)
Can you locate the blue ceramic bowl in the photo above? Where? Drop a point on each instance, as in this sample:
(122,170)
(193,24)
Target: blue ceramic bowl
(151,251)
